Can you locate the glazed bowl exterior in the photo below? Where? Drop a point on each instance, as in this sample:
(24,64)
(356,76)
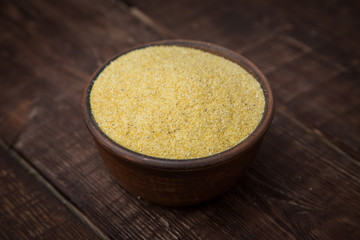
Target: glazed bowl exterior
(187,181)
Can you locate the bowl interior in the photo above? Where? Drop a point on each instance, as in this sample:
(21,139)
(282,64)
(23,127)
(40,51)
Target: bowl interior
(176,164)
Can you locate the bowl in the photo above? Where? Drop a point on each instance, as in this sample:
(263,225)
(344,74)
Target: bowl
(172,182)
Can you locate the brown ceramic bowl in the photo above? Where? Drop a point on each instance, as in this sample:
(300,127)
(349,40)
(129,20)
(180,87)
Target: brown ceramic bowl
(181,182)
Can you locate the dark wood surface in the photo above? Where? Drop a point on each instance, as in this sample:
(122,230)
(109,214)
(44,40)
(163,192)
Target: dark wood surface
(305,183)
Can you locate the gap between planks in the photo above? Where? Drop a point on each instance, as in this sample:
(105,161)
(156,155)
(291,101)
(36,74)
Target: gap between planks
(35,173)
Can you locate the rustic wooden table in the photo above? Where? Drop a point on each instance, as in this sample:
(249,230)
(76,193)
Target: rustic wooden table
(305,183)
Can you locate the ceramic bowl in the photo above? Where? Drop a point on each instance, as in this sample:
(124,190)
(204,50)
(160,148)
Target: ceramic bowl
(181,182)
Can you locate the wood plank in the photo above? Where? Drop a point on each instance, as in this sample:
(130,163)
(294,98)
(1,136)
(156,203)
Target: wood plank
(292,40)
(29,211)
(321,110)
(229,23)
(239,24)
(324,95)
(336,16)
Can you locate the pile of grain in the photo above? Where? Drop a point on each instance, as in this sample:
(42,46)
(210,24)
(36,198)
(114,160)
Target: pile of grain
(176,102)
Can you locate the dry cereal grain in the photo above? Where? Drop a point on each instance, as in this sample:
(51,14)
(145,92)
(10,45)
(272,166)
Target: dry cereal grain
(176,102)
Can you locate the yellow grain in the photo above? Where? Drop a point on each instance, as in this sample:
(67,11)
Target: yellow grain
(176,102)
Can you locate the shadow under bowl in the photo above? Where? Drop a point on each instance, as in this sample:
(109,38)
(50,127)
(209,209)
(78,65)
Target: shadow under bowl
(172,182)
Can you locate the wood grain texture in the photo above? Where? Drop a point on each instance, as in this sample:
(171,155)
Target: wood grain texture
(229,23)
(29,211)
(305,183)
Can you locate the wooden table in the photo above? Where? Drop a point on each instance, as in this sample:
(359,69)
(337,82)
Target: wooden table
(305,183)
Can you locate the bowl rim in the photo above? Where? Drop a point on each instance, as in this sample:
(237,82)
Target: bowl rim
(183,164)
